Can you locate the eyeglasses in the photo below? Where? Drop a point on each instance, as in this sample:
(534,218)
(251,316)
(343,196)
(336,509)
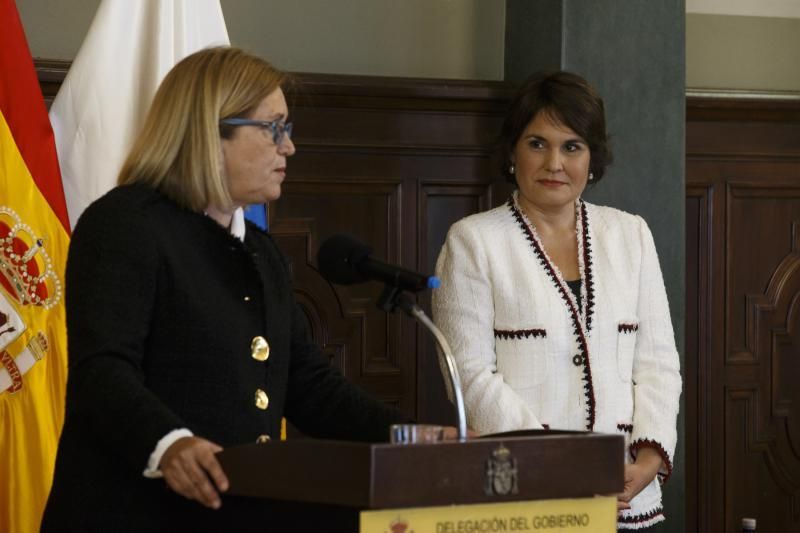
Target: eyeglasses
(278,129)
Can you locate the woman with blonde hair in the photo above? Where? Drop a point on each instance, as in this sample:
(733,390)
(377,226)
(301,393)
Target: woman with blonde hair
(184,335)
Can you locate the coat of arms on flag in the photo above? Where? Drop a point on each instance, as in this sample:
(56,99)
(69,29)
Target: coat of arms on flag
(27,278)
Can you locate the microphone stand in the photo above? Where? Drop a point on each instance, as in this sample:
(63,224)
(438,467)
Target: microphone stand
(393,298)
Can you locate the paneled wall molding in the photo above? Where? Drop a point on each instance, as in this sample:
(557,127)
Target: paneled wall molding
(323,146)
(743,94)
(743,296)
(51,73)
(716,109)
(699,212)
(359,92)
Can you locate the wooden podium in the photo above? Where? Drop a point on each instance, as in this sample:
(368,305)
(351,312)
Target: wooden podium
(547,465)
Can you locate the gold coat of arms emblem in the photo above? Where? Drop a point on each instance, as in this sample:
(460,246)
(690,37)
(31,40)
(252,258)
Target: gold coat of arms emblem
(26,278)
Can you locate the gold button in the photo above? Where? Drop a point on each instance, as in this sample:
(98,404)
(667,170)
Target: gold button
(263,438)
(259,348)
(262,400)
(246,298)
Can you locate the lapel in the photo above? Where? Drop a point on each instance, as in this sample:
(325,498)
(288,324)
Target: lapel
(580,315)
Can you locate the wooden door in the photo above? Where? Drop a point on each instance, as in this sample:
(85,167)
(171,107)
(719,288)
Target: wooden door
(743,315)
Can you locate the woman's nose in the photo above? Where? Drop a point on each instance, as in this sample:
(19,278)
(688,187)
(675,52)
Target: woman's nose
(286,147)
(554,162)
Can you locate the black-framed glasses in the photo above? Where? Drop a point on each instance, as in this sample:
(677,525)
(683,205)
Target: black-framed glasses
(277,129)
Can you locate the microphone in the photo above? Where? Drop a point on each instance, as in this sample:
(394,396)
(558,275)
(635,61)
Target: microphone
(344,260)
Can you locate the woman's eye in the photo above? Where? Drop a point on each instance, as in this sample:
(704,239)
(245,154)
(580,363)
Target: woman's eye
(533,143)
(572,147)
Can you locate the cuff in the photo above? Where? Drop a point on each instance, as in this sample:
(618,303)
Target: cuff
(152,471)
(664,472)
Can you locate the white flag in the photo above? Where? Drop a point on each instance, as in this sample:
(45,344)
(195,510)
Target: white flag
(130,47)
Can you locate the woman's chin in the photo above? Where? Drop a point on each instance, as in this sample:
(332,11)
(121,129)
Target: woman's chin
(269,196)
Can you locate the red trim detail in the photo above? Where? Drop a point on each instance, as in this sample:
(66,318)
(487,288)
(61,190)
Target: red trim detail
(587,267)
(627,328)
(639,518)
(634,447)
(627,428)
(22,106)
(13,371)
(519,333)
(579,333)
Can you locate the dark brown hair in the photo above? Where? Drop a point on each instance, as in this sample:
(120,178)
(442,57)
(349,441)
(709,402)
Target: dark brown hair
(568,99)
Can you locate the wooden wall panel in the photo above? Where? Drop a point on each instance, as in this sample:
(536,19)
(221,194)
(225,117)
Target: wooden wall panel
(743,304)
(370,340)
(394,163)
(440,205)
(699,207)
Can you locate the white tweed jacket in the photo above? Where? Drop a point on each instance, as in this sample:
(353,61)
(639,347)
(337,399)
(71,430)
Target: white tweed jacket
(530,357)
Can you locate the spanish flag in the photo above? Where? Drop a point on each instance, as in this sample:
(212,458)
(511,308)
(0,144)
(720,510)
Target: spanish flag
(34,237)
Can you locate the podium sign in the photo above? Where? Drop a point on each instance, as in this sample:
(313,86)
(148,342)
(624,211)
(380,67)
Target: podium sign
(578,515)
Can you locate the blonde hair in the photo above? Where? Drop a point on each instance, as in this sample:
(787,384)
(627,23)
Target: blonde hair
(178,151)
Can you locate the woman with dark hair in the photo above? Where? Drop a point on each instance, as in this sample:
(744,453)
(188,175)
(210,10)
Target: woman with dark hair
(556,308)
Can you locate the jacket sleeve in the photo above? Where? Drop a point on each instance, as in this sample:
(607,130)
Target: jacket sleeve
(321,402)
(656,365)
(463,308)
(110,293)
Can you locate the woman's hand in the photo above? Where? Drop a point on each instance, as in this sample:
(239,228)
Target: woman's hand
(189,465)
(638,475)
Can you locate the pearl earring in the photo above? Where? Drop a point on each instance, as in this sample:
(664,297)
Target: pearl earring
(512,169)
(591,176)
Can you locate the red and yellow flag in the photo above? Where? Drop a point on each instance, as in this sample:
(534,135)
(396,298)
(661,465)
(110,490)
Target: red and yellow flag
(34,237)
